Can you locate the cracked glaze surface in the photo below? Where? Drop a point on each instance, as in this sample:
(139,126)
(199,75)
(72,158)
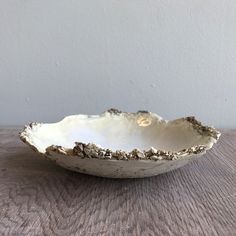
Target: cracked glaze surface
(91,158)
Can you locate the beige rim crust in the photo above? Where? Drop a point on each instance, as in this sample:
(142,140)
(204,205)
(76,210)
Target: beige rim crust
(91,150)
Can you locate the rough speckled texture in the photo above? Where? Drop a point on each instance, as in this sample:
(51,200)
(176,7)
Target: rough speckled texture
(91,150)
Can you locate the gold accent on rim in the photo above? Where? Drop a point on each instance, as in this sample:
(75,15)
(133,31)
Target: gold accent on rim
(91,150)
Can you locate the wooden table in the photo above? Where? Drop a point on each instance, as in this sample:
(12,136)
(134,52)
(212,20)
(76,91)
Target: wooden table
(40,198)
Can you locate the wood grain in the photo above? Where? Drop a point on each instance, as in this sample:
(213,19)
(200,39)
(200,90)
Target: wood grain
(40,198)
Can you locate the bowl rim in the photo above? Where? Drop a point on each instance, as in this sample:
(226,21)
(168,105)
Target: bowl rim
(91,150)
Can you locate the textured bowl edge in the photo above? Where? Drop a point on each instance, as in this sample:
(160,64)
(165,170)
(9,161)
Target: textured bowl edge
(90,150)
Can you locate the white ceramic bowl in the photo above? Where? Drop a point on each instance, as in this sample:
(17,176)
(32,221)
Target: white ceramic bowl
(119,144)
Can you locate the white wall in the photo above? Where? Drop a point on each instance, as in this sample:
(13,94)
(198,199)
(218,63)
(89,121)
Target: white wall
(61,57)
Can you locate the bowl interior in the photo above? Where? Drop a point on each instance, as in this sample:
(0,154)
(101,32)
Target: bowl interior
(119,132)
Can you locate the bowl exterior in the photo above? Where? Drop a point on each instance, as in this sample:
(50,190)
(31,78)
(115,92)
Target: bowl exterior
(119,168)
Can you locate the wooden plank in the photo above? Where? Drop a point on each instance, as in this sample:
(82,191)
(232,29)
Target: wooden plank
(40,198)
